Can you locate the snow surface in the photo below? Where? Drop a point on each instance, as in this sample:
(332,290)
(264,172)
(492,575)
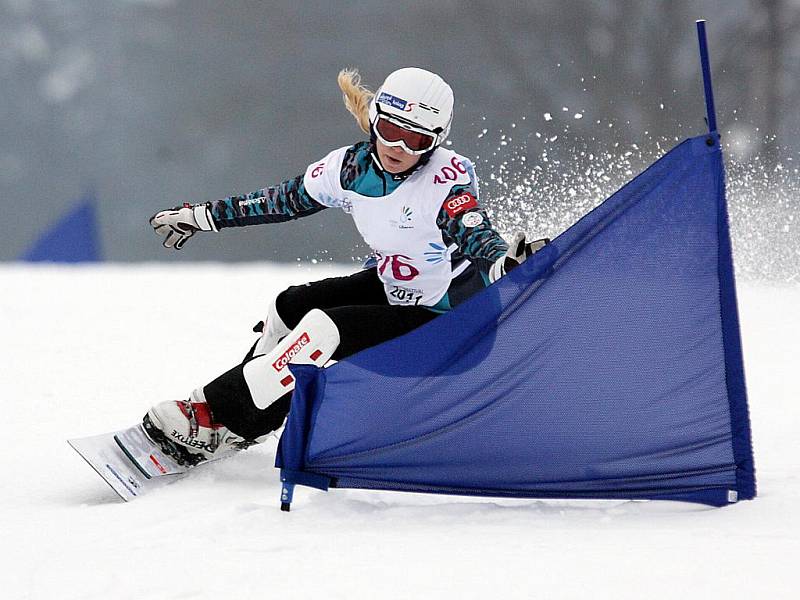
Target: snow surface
(87,349)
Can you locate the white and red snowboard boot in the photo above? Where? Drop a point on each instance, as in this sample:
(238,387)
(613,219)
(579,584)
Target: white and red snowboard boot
(185,429)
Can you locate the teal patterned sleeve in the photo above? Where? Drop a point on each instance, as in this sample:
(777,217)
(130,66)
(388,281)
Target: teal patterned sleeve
(465,223)
(283,202)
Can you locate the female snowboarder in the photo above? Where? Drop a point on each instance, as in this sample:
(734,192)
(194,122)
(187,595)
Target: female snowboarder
(416,205)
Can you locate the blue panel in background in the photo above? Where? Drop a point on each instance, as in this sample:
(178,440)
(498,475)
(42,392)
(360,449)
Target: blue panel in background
(74,238)
(606,366)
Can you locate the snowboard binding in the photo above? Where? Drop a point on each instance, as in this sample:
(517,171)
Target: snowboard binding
(179,453)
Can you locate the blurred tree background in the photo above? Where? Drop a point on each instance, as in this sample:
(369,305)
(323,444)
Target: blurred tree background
(152,103)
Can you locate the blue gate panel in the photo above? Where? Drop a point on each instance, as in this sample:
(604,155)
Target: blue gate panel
(608,365)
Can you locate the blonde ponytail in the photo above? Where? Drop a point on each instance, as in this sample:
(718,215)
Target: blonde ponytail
(356,96)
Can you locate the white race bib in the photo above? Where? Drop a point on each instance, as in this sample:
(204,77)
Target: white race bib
(413,260)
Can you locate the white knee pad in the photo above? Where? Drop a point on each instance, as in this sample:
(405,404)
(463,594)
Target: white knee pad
(274,330)
(312,342)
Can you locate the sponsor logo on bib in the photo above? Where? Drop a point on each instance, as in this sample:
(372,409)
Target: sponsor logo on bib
(405,219)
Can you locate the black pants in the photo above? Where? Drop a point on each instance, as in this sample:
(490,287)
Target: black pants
(356,304)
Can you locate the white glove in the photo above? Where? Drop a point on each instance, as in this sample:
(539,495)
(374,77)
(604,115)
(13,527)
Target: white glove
(518,251)
(180,223)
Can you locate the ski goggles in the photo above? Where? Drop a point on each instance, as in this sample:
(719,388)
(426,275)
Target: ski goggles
(414,140)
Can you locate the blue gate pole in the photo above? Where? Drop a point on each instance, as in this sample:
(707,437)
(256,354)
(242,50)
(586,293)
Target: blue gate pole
(287,492)
(711,114)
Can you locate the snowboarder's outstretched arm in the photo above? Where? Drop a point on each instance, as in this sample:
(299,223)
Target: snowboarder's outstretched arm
(276,204)
(283,202)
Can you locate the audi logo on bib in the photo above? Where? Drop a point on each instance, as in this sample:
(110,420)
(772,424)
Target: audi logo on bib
(459,204)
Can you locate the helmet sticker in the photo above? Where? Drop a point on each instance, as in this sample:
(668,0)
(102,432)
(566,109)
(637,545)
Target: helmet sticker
(433,109)
(392,101)
(404,105)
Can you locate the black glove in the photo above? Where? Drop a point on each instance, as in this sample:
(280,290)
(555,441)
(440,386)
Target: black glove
(518,251)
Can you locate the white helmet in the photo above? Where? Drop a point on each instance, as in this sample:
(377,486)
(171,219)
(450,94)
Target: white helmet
(415,100)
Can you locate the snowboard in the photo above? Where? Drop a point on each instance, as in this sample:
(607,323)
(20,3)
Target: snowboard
(129,461)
